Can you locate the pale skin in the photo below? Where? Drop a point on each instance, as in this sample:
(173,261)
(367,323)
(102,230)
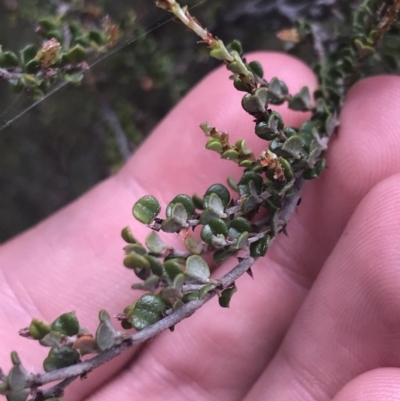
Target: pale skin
(320,321)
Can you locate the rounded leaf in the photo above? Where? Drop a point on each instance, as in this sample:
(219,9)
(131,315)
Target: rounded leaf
(66,324)
(260,247)
(197,268)
(215,203)
(301,101)
(220,190)
(214,144)
(127,236)
(187,203)
(294,147)
(154,243)
(18,378)
(106,333)
(172,225)
(256,68)
(257,102)
(146,311)
(155,265)
(136,261)
(238,226)
(39,329)
(198,201)
(193,246)
(243,184)
(77,54)
(172,268)
(146,209)
(226,296)
(230,154)
(59,358)
(236,46)
(287,168)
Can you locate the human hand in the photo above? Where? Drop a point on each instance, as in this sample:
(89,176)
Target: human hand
(323,308)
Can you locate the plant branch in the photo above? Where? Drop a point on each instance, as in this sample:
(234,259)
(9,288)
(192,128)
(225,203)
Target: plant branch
(8,76)
(82,368)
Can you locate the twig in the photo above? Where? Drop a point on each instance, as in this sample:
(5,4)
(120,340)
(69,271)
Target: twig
(113,122)
(82,368)
(54,391)
(8,76)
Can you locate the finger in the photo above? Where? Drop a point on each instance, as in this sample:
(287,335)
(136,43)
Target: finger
(72,260)
(240,343)
(377,385)
(349,323)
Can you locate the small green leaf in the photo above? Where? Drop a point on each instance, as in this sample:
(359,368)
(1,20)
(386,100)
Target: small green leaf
(256,68)
(150,284)
(59,358)
(187,203)
(315,172)
(240,85)
(154,243)
(230,154)
(363,50)
(250,203)
(198,201)
(39,329)
(226,296)
(232,183)
(127,236)
(287,168)
(236,46)
(8,60)
(106,334)
(136,261)
(18,395)
(66,324)
(135,248)
(53,339)
(28,53)
(277,91)
(172,225)
(96,37)
(3,386)
(177,284)
(32,67)
(47,24)
(260,247)
(214,144)
(172,268)
(219,190)
(146,209)
(242,241)
(294,147)
(77,54)
(197,268)
(146,311)
(215,204)
(193,246)
(155,265)
(238,226)
(75,78)
(18,377)
(301,101)
(205,290)
(243,184)
(257,102)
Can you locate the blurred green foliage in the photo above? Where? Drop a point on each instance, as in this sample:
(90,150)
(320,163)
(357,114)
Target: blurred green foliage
(72,140)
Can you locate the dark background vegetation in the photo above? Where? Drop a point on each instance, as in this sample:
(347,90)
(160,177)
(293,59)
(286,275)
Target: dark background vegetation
(80,135)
